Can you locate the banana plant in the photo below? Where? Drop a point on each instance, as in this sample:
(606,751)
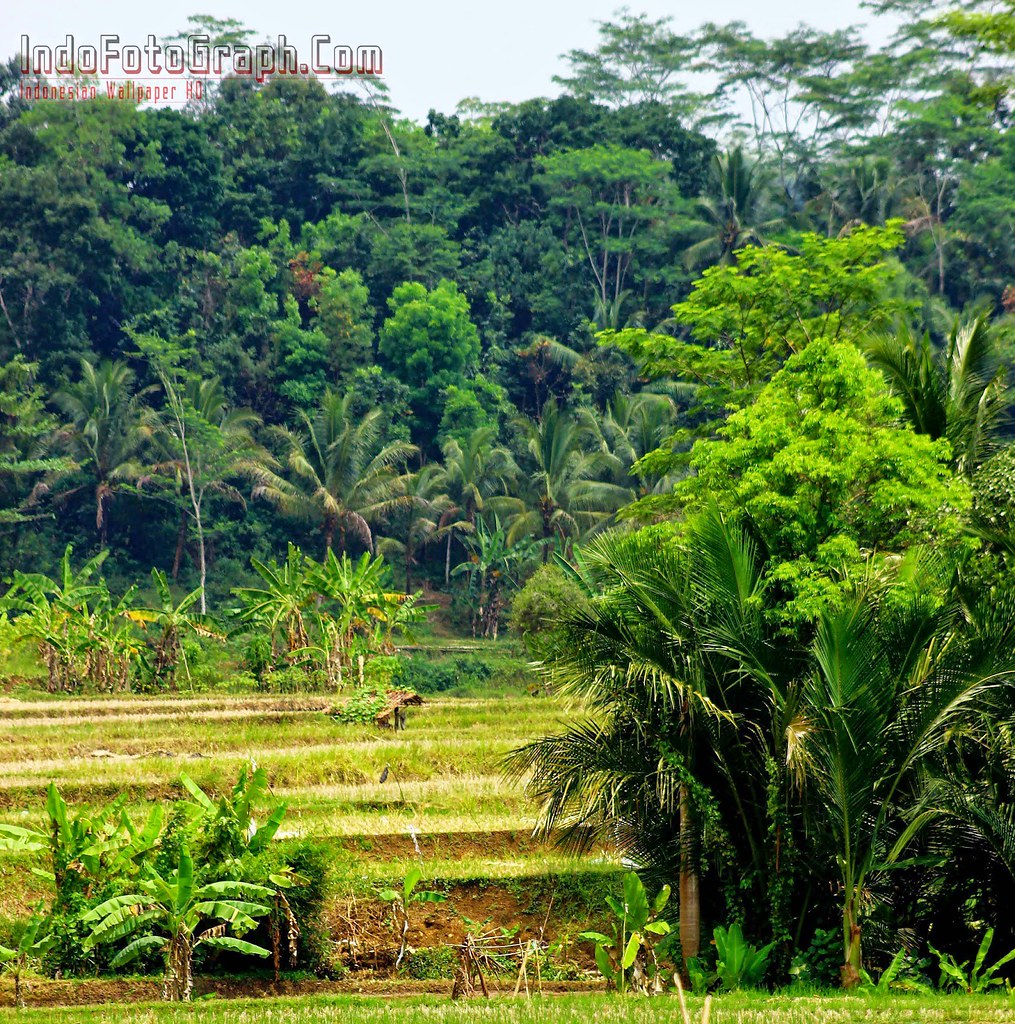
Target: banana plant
(26,954)
(166,623)
(82,633)
(86,844)
(231,845)
(283,605)
(975,978)
(175,917)
(230,821)
(739,964)
(627,959)
(402,902)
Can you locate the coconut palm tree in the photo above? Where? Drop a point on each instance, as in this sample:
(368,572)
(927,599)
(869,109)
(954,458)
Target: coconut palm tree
(420,506)
(653,660)
(476,469)
(632,427)
(690,704)
(732,216)
(567,495)
(340,473)
(890,684)
(960,394)
(104,432)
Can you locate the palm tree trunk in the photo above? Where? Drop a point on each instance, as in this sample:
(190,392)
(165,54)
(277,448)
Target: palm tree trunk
(690,893)
(849,973)
(447,561)
(103,513)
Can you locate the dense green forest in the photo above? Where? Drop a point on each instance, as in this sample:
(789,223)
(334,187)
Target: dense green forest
(292,315)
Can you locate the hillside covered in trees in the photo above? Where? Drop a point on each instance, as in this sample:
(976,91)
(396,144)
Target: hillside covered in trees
(289,314)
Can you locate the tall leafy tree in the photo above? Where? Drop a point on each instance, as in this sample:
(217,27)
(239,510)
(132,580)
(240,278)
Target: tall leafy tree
(429,342)
(666,711)
(25,433)
(205,445)
(418,507)
(637,60)
(476,469)
(609,198)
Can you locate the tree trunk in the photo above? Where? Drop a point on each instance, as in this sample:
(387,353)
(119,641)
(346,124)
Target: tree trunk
(181,540)
(849,973)
(329,536)
(447,561)
(202,565)
(179,983)
(103,524)
(690,894)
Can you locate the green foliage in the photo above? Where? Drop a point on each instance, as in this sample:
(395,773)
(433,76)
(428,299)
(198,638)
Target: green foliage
(738,963)
(84,635)
(627,958)
(903,974)
(818,964)
(171,910)
(543,601)
(331,617)
(820,467)
(361,708)
(972,977)
(402,901)
(426,675)
(492,569)
(310,862)
(29,951)
(746,319)
(430,343)
(431,963)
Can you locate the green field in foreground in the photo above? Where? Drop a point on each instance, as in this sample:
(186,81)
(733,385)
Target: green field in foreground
(735,1008)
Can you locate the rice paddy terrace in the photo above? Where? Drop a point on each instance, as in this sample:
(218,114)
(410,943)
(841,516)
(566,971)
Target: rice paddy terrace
(443,804)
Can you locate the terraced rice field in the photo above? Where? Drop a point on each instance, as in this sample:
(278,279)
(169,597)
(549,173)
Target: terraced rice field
(444,804)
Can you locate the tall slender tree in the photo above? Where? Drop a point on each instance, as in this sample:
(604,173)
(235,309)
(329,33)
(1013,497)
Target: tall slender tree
(476,469)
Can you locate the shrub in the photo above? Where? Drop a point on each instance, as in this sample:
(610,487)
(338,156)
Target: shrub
(819,963)
(545,599)
(431,963)
(310,862)
(425,675)
(361,707)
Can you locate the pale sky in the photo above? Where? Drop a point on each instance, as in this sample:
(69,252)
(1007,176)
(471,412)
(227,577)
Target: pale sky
(435,53)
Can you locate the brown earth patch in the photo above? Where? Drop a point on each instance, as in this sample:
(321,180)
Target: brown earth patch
(98,991)
(430,846)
